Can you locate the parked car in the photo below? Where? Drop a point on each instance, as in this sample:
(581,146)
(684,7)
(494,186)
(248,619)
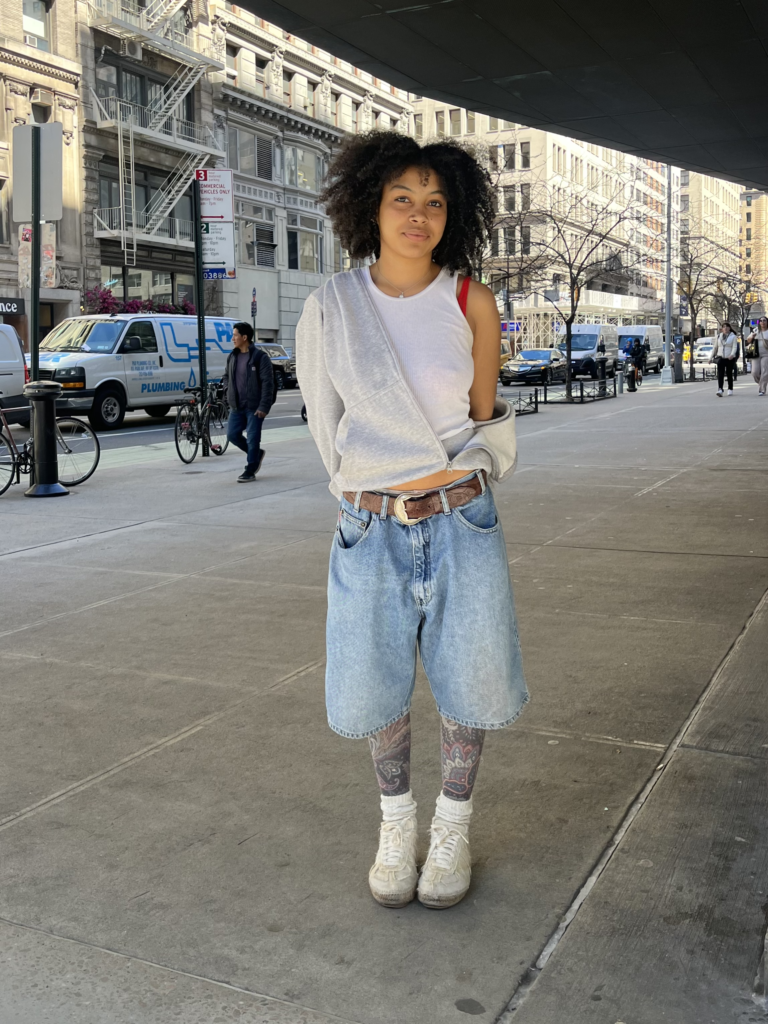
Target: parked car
(652,340)
(589,343)
(538,365)
(283,364)
(13,375)
(702,350)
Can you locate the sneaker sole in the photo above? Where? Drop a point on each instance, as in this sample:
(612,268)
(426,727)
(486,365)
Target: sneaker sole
(394,900)
(441,902)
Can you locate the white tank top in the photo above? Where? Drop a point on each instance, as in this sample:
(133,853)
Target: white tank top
(433,342)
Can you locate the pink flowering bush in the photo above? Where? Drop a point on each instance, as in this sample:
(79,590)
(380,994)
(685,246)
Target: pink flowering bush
(101,300)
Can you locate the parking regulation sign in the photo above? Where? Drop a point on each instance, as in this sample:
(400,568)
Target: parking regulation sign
(218,250)
(216,194)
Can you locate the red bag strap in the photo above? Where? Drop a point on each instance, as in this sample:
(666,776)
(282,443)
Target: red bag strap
(463,292)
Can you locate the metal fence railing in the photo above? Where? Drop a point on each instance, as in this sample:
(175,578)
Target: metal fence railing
(524,402)
(581,391)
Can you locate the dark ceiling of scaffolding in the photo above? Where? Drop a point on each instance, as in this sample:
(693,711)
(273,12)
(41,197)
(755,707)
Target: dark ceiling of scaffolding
(676,81)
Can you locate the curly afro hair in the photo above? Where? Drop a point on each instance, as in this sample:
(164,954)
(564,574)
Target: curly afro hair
(367,162)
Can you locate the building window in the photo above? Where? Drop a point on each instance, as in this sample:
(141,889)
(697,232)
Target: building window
(305,244)
(525,155)
(357,116)
(470,123)
(418,126)
(749,218)
(509,157)
(303,168)
(748,253)
(495,243)
(250,154)
(288,88)
(525,197)
(526,241)
(509,199)
(748,268)
(255,229)
(493,124)
(749,234)
(510,241)
(36,24)
(749,200)
(684,179)
(4,233)
(455,119)
(231,58)
(440,123)
(112,278)
(335,107)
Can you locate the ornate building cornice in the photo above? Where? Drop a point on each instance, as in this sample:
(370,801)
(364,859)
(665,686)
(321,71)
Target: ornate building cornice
(37,66)
(284,117)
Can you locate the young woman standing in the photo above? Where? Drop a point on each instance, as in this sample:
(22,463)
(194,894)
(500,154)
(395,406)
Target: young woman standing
(398,363)
(759,340)
(724,355)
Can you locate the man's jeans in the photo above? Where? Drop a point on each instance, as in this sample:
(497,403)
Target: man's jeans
(251,423)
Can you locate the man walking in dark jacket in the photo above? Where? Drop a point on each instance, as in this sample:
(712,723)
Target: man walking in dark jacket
(250,392)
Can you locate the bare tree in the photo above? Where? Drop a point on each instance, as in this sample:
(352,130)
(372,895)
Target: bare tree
(557,239)
(701,260)
(737,299)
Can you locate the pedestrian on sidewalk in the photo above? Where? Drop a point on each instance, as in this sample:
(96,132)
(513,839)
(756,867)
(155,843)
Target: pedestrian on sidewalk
(758,340)
(250,383)
(398,364)
(724,355)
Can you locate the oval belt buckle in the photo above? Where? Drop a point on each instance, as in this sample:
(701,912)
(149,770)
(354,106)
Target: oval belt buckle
(399,507)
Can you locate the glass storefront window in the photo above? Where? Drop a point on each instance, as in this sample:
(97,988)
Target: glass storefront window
(185,288)
(301,168)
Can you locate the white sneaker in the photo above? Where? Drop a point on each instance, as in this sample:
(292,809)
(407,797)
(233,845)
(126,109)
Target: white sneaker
(448,868)
(729,393)
(720,393)
(392,879)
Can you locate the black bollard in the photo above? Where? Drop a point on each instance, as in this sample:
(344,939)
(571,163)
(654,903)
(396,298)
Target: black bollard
(42,395)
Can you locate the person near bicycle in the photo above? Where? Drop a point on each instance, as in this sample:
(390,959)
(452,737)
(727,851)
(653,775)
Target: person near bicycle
(637,359)
(250,385)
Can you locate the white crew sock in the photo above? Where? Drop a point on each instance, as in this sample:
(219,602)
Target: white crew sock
(393,808)
(457,811)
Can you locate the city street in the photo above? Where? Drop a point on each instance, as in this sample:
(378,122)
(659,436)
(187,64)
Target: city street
(183,838)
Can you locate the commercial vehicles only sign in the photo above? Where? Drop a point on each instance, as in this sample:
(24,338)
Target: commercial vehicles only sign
(218,229)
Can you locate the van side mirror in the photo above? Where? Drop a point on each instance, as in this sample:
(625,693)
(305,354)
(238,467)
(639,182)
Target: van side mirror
(132,344)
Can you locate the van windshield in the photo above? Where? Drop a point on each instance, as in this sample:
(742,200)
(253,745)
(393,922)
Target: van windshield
(581,342)
(83,336)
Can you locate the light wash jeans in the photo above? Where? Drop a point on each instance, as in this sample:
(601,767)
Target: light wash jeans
(441,586)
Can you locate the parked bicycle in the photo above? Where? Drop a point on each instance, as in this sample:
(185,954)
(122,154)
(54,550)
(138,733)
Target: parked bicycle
(78,453)
(196,422)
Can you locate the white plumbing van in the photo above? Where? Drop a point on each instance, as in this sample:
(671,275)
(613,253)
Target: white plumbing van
(107,364)
(590,342)
(650,336)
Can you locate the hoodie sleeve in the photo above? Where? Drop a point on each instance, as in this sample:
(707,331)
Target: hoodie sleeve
(267,375)
(324,405)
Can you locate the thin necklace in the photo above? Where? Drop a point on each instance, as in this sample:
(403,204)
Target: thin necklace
(397,286)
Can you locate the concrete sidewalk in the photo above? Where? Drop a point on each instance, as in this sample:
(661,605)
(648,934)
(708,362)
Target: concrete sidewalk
(182,837)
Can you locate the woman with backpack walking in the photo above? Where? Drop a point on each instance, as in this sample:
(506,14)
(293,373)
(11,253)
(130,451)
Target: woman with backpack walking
(724,354)
(398,363)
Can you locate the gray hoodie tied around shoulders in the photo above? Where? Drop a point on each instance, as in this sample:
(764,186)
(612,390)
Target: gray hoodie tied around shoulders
(369,428)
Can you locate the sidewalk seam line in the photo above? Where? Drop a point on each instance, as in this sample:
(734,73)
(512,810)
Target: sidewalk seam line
(174,970)
(153,748)
(533,973)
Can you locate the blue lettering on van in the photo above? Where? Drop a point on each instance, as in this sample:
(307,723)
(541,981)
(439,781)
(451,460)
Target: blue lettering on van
(166,385)
(182,352)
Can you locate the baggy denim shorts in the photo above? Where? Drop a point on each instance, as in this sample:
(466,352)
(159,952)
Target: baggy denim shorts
(441,586)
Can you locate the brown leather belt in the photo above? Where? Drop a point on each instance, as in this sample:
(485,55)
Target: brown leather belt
(412,508)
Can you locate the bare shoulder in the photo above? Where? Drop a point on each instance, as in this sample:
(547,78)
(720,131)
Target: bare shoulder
(481,303)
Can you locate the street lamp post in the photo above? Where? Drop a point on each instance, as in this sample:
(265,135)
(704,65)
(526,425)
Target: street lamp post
(666,374)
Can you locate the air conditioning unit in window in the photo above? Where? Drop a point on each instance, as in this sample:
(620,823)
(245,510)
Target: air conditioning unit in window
(32,41)
(131,48)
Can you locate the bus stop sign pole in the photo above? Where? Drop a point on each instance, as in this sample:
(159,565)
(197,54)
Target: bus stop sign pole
(200,300)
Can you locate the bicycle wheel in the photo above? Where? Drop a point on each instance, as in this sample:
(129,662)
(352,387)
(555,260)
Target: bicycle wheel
(186,434)
(77,450)
(7,464)
(215,428)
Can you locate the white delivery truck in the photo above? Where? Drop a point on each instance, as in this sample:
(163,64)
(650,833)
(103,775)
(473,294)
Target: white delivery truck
(13,375)
(650,337)
(590,342)
(107,364)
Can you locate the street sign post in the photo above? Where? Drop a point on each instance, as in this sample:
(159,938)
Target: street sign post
(254,310)
(37,196)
